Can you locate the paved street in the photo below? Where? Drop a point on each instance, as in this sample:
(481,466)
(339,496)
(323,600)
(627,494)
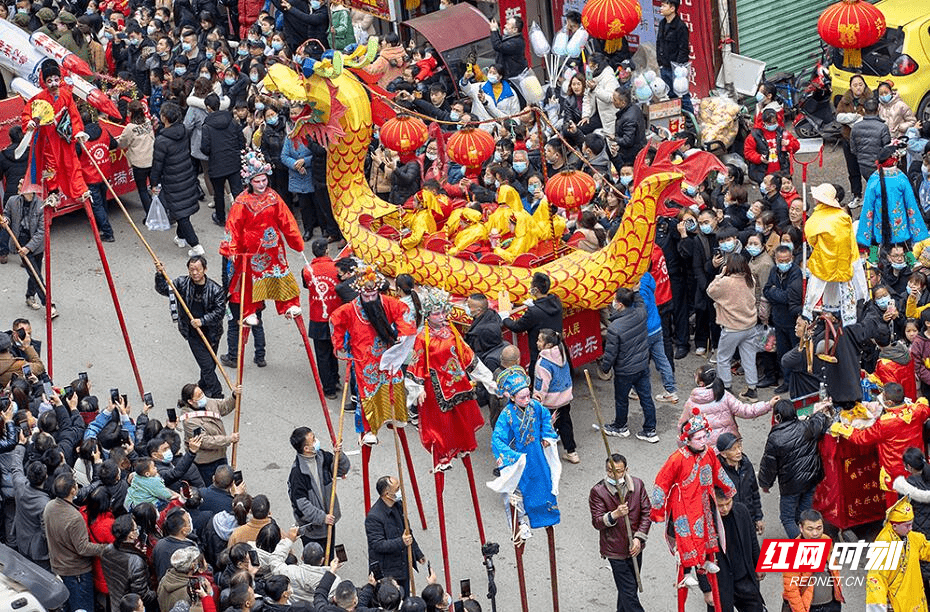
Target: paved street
(281,397)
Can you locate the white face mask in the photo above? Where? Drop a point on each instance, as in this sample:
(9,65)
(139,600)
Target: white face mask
(398,497)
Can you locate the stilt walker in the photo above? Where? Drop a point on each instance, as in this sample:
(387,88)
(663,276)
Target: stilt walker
(377,333)
(439,381)
(684,495)
(258,228)
(524,444)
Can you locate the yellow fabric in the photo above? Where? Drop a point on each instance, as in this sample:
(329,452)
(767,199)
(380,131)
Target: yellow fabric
(509,197)
(526,236)
(462,238)
(833,244)
(499,220)
(901,512)
(545,221)
(419,223)
(901,587)
(841,429)
(912,310)
(378,406)
(279,289)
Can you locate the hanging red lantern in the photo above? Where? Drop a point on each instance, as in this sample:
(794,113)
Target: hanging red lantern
(403,134)
(570,189)
(851,25)
(611,20)
(470,147)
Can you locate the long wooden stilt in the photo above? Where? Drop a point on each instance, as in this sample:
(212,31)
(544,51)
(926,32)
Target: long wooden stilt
(315,375)
(403,495)
(366,457)
(553,569)
(240,357)
(715,589)
(440,486)
(466,460)
(402,434)
(47,221)
(518,553)
(332,497)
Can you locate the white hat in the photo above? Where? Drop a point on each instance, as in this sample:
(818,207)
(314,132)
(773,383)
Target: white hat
(825,193)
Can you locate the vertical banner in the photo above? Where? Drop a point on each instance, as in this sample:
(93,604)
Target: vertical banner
(516,8)
(698,17)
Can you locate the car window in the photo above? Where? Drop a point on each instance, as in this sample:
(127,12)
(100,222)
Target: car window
(878,59)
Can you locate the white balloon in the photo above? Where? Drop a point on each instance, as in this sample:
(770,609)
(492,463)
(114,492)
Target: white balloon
(560,44)
(538,41)
(577,42)
(650,76)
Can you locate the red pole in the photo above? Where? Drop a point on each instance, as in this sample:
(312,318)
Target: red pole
(440,478)
(315,375)
(518,553)
(402,433)
(553,570)
(474,496)
(48,286)
(366,457)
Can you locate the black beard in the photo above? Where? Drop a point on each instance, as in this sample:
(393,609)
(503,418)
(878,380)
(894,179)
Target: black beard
(374,310)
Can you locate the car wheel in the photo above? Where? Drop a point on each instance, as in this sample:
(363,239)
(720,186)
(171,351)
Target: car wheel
(923,109)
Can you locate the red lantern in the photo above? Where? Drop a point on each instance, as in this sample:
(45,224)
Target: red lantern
(470,147)
(404,134)
(570,189)
(851,25)
(611,20)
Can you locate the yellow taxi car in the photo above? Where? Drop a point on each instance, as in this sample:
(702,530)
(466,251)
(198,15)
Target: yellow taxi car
(902,56)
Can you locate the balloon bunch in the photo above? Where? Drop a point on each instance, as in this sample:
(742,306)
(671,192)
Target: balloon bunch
(563,47)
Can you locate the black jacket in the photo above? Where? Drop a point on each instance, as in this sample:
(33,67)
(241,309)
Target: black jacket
(511,53)
(484,335)
(182,468)
(12,169)
(272,144)
(792,455)
(295,21)
(626,342)
(784,291)
(672,42)
(385,527)
(321,601)
(404,182)
(779,208)
(630,132)
(222,141)
(545,313)
(747,487)
(214,306)
(173,169)
(738,562)
(161,554)
(126,571)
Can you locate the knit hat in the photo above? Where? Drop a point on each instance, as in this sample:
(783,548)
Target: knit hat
(693,425)
(513,380)
(67,18)
(901,511)
(186,559)
(254,164)
(726,441)
(45,14)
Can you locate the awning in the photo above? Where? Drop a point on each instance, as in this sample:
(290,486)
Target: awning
(457,26)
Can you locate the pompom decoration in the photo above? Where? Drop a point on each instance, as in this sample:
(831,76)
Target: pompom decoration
(538,41)
(560,44)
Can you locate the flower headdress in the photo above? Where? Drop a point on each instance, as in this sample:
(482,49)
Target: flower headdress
(254,164)
(368,277)
(435,300)
(696,423)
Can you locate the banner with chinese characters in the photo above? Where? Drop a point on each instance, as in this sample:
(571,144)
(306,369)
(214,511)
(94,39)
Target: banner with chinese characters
(516,8)
(383,9)
(849,493)
(582,337)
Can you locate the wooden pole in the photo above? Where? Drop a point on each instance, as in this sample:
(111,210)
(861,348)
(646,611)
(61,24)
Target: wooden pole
(610,459)
(403,496)
(243,270)
(158,266)
(25,259)
(332,496)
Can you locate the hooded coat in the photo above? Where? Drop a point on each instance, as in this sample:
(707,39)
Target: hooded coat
(173,170)
(222,142)
(720,414)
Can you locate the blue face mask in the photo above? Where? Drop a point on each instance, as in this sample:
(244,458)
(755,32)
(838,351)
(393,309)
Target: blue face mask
(316,445)
(883,302)
(532,188)
(626,179)
(273,120)
(242,51)
(493,78)
(728,246)
(225,61)
(520,167)
(210,55)
(135,42)
(253,78)
(497,156)
(229,80)
(790,245)
(259,106)
(760,96)
(771,127)
(783,267)
(202,402)
(899,265)
(610,481)
(185,47)
(759,229)
(886,98)
(707,228)
(691,190)
(180,70)
(168,456)
(315,4)
(750,215)
(721,178)
(454,115)
(754,250)
(277,45)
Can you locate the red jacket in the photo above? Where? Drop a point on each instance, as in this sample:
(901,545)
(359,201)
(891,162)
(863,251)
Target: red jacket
(659,272)
(896,430)
(321,279)
(890,371)
(777,146)
(100,533)
(99,149)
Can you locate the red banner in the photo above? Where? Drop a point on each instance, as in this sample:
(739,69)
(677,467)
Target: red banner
(582,337)
(697,16)
(849,494)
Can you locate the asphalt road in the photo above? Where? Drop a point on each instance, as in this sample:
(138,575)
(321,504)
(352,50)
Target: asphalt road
(280,397)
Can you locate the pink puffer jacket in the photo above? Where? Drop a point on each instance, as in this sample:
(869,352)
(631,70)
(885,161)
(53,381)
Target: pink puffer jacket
(721,415)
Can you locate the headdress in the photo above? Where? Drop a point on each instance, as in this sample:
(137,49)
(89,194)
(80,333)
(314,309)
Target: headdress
(696,423)
(435,300)
(254,164)
(513,380)
(49,68)
(367,277)
(901,512)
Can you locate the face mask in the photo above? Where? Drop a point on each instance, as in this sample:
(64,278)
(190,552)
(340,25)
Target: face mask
(694,208)
(315,4)
(108,35)
(89,11)
(706,228)
(454,116)
(754,250)
(610,481)
(783,267)
(771,127)
(202,402)
(886,98)
(626,179)
(168,456)
(259,106)
(225,61)
(273,120)
(726,247)
(242,51)
(533,188)
(185,47)
(163,55)
(277,45)
(760,96)
(721,178)
(497,156)
(690,225)
(899,266)
(431,156)
(211,55)
(690,190)
(493,78)
(180,70)
(206,75)
(229,80)
(790,245)
(520,167)
(883,302)
(750,215)
(398,497)
(497,184)
(150,29)
(759,229)
(316,446)
(135,42)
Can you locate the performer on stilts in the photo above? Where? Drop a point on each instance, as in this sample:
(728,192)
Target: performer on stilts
(258,227)
(376,332)
(524,445)
(684,490)
(439,381)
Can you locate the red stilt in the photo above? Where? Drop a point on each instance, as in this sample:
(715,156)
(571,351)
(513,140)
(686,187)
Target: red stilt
(518,552)
(401,432)
(682,591)
(712,578)
(315,375)
(440,485)
(553,570)
(466,460)
(366,457)
(48,289)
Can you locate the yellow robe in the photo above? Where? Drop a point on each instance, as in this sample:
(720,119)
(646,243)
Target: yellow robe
(509,202)
(526,236)
(902,588)
(546,220)
(463,237)
(419,223)
(833,244)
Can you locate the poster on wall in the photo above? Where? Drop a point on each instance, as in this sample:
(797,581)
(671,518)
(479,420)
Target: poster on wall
(383,9)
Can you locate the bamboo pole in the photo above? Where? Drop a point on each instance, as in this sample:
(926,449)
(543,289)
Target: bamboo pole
(243,270)
(25,259)
(332,496)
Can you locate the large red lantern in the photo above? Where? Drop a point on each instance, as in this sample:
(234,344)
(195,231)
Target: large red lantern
(611,20)
(570,189)
(404,134)
(470,147)
(851,25)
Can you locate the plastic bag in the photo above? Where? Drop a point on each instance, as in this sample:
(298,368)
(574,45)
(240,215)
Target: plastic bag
(764,338)
(157,219)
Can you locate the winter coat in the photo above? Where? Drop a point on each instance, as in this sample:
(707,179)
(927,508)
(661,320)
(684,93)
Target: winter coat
(747,487)
(484,335)
(214,304)
(29,520)
(494,106)
(126,571)
(295,21)
(897,115)
(272,143)
(833,246)
(138,141)
(546,312)
(792,455)
(603,498)
(626,343)
(215,440)
(866,140)
(389,64)
(904,217)
(180,469)
(720,414)
(735,302)
(13,168)
(16,207)
(552,384)
(920,351)
(222,143)
(70,550)
(384,528)
(511,53)
(672,42)
(405,181)
(849,109)
(758,151)
(310,505)
(798,587)
(342,33)
(600,100)
(172,589)
(173,171)
(630,133)
(304,578)
(193,123)
(784,291)
(297,182)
